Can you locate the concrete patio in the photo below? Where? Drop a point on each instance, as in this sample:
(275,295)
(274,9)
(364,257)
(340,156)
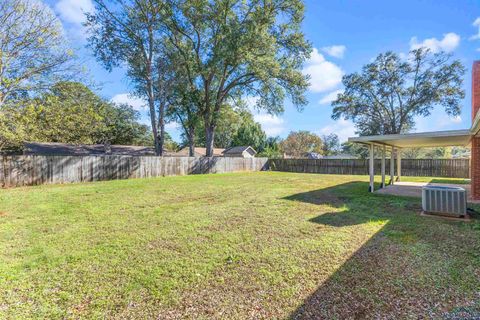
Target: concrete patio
(414,189)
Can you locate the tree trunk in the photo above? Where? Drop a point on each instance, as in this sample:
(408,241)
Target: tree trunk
(161,125)
(156,141)
(151,107)
(151,91)
(209,139)
(191,142)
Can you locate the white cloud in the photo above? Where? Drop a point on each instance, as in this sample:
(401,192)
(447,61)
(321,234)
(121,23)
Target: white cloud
(456,119)
(449,43)
(336,51)
(136,103)
(73,11)
(324,75)
(344,129)
(446,122)
(327,99)
(272,125)
(438,120)
(476,23)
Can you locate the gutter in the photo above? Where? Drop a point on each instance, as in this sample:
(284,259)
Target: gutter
(475,125)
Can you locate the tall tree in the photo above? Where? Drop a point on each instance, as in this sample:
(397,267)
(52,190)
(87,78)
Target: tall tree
(272,148)
(128,33)
(166,81)
(229,121)
(236,127)
(122,126)
(33,53)
(298,143)
(331,144)
(184,111)
(12,128)
(249,133)
(390,92)
(239,48)
(355,149)
(70,112)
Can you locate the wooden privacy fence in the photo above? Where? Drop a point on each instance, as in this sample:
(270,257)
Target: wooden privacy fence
(34,170)
(451,168)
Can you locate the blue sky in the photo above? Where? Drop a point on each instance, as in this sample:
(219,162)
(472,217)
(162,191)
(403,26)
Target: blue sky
(346,35)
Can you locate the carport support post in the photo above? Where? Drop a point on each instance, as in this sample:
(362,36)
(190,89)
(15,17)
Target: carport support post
(392,166)
(399,164)
(371,188)
(383,166)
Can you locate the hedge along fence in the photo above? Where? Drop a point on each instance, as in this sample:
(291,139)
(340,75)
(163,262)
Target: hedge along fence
(34,170)
(449,168)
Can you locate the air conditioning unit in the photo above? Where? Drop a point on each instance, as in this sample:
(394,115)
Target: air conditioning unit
(444,200)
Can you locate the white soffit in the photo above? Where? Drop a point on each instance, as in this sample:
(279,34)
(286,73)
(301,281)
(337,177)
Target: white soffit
(421,139)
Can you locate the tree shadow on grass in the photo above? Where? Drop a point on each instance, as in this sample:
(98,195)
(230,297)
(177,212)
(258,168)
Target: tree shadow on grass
(341,197)
(407,269)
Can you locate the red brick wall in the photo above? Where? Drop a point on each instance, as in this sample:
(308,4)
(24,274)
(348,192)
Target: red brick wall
(475,88)
(475,157)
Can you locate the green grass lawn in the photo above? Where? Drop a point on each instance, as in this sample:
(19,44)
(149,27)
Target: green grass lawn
(231,246)
(436,180)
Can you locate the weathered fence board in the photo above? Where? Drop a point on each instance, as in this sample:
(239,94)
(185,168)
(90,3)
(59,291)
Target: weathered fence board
(451,168)
(34,170)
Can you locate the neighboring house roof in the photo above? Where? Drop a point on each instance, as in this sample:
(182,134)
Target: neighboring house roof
(201,152)
(313,155)
(239,150)
(65,149)
(340,156)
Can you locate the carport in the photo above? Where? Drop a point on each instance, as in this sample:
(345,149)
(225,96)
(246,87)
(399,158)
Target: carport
(468,137)
(393,143)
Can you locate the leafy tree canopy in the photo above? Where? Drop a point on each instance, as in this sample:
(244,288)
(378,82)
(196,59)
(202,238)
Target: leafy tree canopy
(331,144)
(228,123)
(236,127)
(272,148)
(33,53)
(355,149)
(298,143)
(129,34)
(71,113)
(436,153)
(390,92)
(250,133)
(241,48)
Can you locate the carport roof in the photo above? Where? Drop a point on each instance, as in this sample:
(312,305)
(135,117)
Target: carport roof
(421,139)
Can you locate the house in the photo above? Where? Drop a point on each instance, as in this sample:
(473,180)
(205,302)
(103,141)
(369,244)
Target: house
(240,152)
(199,152)
(65,149)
